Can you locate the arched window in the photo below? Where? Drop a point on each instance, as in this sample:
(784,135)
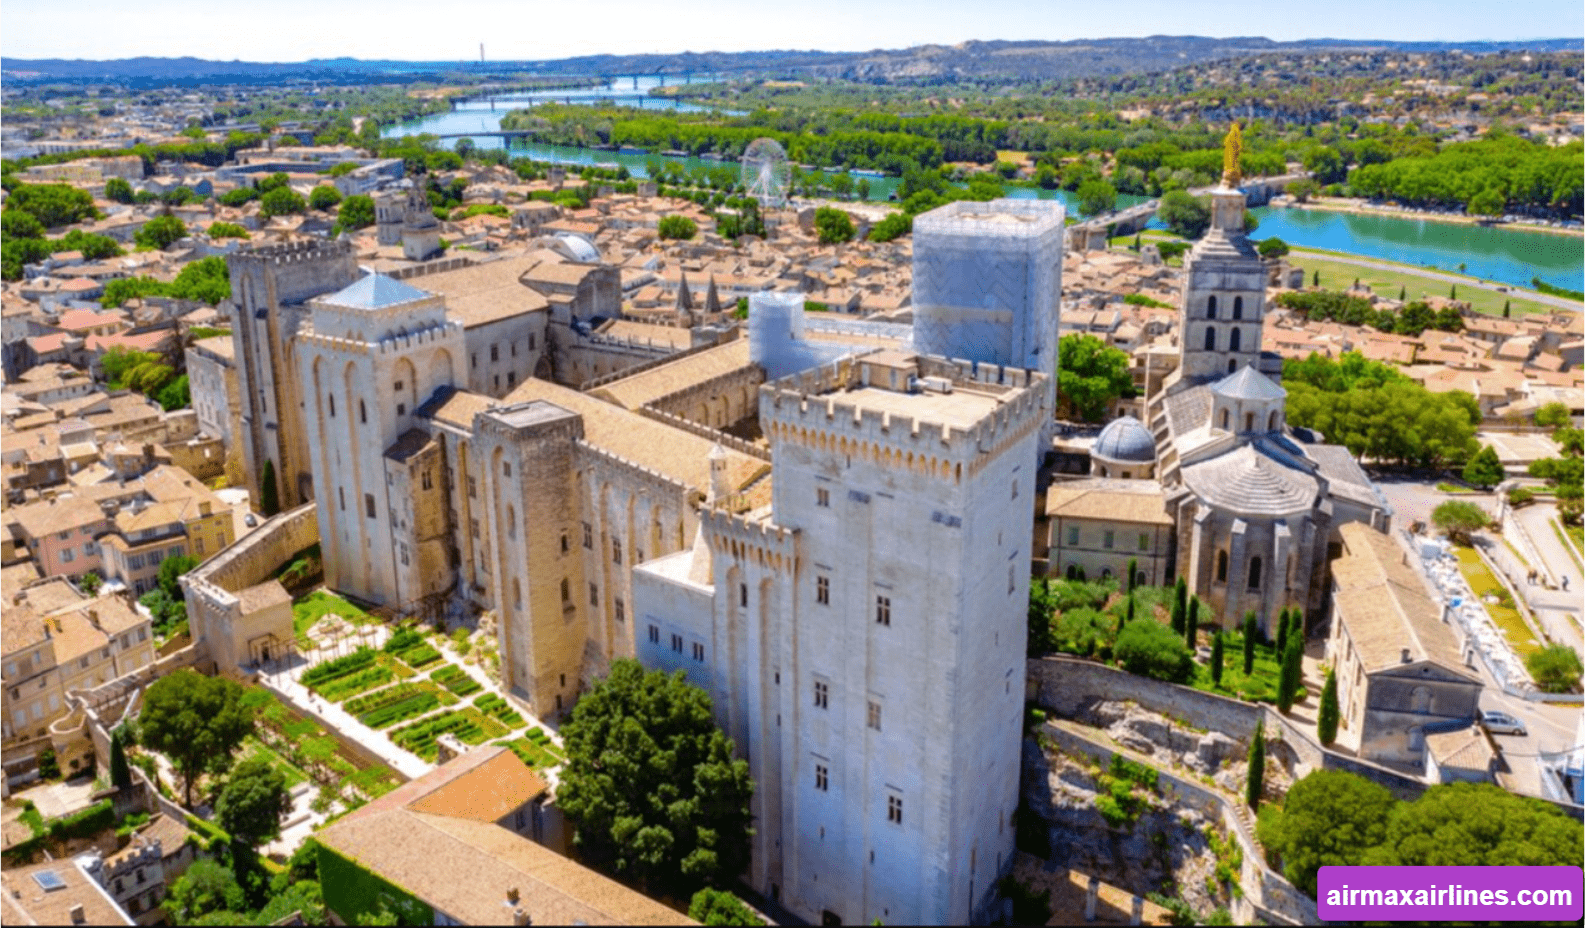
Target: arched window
(332,398)
(363,412)
(1073,571)
(1235,340)
(1210,338)
(1225,414)
(1271,422)
(1210,307)
(1141,579)
(1238,307)
(1221,567)
(1249,422)
(1106,573)
(1254,573)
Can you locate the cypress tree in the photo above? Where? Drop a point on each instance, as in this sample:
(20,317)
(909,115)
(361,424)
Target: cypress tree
(1315,279)
(1326,719)
(1216,658)
(1507,308)
(1402,292)
(1179,617)
(1256,780)
(1133,574)
(1453,292)
(1282,633)
(1191,625)
(269,493)
(1249,642)
(1130,616)
(1180,605)
(120,773)
(1291,674)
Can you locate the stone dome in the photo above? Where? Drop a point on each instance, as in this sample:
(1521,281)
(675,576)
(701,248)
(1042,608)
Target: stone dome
(1126,439)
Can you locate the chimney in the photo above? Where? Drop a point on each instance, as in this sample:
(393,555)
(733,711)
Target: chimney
(520,917)
(76,912)
(1405,658)
(93,618)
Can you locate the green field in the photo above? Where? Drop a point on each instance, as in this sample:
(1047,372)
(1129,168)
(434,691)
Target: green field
(316,605)
(1337,275)
(1507,617)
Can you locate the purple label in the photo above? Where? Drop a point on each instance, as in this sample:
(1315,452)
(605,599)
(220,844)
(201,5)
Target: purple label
(1397,894)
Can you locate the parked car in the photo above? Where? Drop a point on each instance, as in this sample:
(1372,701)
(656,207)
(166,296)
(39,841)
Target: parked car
(1501,723)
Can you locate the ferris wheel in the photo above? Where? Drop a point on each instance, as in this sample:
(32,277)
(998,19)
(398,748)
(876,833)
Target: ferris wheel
(766,173)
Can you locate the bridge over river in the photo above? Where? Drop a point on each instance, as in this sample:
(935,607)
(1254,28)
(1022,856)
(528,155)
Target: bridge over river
(1257,190)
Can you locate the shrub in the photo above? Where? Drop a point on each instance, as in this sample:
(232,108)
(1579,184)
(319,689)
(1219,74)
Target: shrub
(403,639)
(1555,668)
(421,656)
(680,227)
(388,715)
(1150,649)
(351,684)
(456,680)
(340,666)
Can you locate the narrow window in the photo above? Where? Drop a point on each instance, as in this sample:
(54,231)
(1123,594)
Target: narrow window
(594,595)
(1249,422)
(698,652)
(1254,573)
(473,488)
(894,809)
(822,695)
(1235,340)
(742,594)
(883,610)
(1221,567)
(1015,489)
(363,412)
(823,497)
(1108,538)
(616,551)
(398,386)
(368,505)
(588,537)
(1073,534)
(1210,308)
(1225,415)
(427,481)
(823,590)
(495,353)
(506,468)
(1144,541)
(341,497)
(566,591)
(1238,307)
(621,610)
(822,778)
(676,643)
(1271,421)
(874,718)
(332,398)
(1210,338)
(565,545)
(654,634)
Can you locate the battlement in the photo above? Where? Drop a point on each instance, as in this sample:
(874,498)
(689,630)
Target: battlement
(298,251)
(943,410)
(601,455)
(743,539)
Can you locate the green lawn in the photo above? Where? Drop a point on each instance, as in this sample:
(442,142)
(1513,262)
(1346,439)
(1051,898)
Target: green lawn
(1337,275)
(536,750)
(1483,583)
(253,747)
(1259,686)
(309,609)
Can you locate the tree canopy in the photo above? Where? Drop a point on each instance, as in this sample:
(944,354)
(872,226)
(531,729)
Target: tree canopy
(1330,817)
(1555,668)
(1459,519)
(1484,469)
(1477,825)
(651,782)
(677,227)
(1090,374)
(206,888)
(1151,649)
(1184,214)
(53,205)
(357,211)
(833,225)
(195,720)
(279,201)
(719,907)
(324,196)
(254,802)
(161,232)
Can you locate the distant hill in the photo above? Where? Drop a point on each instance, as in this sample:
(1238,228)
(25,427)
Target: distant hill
(1008,60)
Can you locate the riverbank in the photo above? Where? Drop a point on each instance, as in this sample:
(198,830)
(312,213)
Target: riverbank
(1366,208)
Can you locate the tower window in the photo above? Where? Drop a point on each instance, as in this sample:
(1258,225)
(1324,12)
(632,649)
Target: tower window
(1249,422)
(894,809)
(1210,338)
(566,590)
(823,590)
(495,353)
(823,497)
(822,694)
(822,777)
(363,412)
(1225,415)
(621,610)
(616,551)
(874,718)
(1210,307)
(594,595)
(1254,573)
(654,634)
(506,468)
(698,652)
(883,610)
(332,398)
(368,505)
(676,643)
(1235,340)
(1221,567)
(1238,307)
(588,537)
(742,594)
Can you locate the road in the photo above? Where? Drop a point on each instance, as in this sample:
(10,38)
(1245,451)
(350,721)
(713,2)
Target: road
(1461,280)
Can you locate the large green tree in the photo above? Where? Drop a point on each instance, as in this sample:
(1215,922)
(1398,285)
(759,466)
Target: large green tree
(1090,374)
(1151,649)
(833,225)
(1184,214)
(719,907)
(280,201)
(254,802)
(161,232)
(651,784)
(357,211)
(206,888)
(1460,519)
(1477,825)
(195,720)
(1484,469)
(53,205)
(324,196)
(1095,197)
(1555,668)
(1329,818)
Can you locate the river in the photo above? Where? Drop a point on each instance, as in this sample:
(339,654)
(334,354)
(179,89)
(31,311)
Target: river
(1509,256)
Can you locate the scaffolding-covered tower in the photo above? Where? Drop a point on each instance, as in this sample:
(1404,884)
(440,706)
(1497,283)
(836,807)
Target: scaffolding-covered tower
(987,282)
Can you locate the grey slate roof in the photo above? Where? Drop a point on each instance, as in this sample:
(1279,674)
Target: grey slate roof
(1246,482)
(375,291)
(1126,439)
(1246,383)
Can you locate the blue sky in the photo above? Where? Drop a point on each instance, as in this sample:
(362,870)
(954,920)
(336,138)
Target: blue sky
(295,30)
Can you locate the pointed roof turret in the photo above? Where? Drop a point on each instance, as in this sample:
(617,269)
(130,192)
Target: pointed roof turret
(712,298)
(684,298)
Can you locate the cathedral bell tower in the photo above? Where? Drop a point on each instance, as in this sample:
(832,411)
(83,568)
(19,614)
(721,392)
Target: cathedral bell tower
(1224,287)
